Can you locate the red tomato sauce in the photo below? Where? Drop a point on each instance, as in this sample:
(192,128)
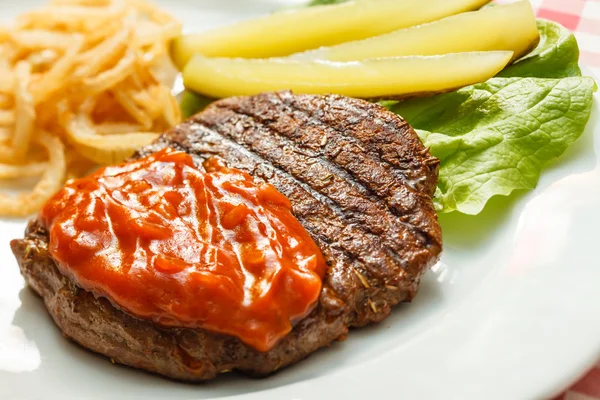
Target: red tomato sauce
(184,247)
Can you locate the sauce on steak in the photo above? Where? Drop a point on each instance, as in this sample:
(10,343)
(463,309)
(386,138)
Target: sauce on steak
(185,245)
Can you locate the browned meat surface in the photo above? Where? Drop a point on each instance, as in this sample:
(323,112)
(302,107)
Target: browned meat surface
(360,182)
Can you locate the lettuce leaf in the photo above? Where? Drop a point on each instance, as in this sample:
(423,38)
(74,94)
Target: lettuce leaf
(192,103)
(495,137)
(556,56)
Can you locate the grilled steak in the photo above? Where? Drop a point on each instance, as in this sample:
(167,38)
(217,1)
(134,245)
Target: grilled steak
(360,182)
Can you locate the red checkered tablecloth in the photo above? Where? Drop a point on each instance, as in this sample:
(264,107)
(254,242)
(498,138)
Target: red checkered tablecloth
(583,18)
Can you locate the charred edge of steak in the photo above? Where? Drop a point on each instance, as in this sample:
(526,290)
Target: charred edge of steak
(360,182)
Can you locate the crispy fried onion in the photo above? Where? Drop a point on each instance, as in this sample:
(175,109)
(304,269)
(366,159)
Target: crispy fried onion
(52,179)
(82,83)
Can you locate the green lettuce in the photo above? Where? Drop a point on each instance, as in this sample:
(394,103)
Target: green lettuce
(192,103)
(495,137)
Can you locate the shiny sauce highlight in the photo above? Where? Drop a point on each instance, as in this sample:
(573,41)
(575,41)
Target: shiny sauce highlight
(184,247)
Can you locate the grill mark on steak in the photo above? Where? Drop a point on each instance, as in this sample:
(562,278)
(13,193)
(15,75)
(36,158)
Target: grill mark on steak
(347,201)
(408,202)
(378,234)
(383,136)
(364,142)
(344,155)
(321,176)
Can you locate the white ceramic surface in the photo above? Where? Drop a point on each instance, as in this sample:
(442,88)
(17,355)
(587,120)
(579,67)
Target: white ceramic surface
(511,312)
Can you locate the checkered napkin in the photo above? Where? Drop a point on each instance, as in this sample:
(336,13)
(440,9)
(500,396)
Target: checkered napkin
(583,18)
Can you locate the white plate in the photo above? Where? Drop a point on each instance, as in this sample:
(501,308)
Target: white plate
(511,312)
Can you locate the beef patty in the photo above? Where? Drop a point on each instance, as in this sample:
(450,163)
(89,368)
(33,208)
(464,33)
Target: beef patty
(360,182)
